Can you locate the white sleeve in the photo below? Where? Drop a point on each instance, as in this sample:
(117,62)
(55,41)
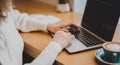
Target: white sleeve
(27,23)
(47,57)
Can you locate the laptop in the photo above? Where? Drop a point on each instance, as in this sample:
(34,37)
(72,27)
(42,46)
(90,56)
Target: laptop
(98,26)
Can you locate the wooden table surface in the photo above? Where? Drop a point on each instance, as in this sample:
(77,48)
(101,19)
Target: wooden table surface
(35,42)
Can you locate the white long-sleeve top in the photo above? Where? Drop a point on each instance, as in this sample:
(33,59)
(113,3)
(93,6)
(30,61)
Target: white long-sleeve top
(11,43)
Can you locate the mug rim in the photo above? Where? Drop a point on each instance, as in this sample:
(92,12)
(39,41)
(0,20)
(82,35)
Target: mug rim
(110,43)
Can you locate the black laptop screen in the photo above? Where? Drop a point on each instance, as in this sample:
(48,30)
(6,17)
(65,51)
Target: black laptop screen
(101,18)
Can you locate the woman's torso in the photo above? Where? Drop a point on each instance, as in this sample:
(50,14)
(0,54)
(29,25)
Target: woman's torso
(12,40)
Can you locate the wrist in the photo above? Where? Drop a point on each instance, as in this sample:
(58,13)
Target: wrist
(59,43)
(49,27)
(56,43)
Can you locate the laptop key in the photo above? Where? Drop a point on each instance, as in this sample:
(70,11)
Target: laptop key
(88,39)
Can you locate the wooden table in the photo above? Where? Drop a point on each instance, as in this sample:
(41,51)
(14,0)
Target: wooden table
(35,42)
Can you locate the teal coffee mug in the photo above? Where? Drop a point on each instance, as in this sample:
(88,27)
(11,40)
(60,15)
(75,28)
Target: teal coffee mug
(111,52)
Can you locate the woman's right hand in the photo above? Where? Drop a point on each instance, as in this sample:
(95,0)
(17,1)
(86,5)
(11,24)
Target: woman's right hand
(63,38)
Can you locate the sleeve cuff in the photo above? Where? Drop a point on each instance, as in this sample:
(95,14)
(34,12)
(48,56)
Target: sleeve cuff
(55,46)
(44,28)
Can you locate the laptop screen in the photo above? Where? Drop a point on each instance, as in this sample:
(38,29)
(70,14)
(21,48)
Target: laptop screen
(101,18)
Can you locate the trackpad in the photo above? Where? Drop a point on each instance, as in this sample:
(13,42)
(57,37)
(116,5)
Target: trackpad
(75,46)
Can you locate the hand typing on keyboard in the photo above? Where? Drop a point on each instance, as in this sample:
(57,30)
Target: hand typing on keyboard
(73,29)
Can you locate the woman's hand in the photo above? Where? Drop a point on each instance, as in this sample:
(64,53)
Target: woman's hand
(59,25)
(63,38)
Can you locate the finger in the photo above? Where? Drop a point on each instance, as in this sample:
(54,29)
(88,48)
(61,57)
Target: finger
(65,29)
(70,24)
(76,27)
(71,37)
(68,34)
(59,32)
(64,24)
(57,29)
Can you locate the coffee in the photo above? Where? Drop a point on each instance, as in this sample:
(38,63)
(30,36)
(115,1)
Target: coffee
(112,46)
(111,52)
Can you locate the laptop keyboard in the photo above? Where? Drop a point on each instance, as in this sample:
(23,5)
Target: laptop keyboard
(87,38)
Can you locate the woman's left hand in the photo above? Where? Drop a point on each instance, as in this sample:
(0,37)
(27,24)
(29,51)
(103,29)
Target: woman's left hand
(60,26)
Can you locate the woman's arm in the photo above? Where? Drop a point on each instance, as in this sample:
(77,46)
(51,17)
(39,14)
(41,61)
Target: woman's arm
(26,23)
(60,41)
(48,55)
